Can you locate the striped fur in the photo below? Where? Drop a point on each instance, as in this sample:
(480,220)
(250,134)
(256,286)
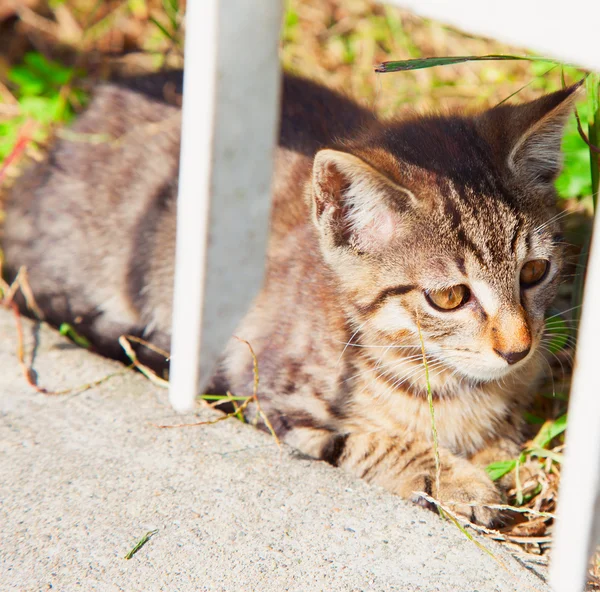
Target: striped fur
(369,217)
(360,232)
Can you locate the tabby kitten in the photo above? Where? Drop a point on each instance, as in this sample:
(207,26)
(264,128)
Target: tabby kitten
(389,239)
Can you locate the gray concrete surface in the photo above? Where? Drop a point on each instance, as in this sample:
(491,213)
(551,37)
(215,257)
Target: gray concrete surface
(83,477)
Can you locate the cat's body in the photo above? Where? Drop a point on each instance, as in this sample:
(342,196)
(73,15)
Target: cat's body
(388,240)
(94,224)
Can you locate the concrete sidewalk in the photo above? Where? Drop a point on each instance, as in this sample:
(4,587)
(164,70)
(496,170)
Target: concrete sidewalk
(83,477)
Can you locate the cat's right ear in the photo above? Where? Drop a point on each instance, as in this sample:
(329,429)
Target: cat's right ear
(527,137)
(353,204)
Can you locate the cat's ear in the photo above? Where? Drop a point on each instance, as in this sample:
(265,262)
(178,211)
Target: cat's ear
(354,205)
(528,137)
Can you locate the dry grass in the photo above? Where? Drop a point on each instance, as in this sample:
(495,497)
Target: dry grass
(338,42)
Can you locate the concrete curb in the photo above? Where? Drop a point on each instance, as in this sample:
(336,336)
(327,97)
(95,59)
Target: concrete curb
(84,476)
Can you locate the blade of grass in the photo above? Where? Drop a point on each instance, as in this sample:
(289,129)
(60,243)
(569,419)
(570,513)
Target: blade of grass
(238,409)
(543,453)
(141,543)
(223,398)
(260,412)
(456,521)
(518,484)
(161,28)
(498,469)
(549,431)
(436,451)
(29,374)
(150,346)
(592,84)
(593,92)
(421,63)
(194,424)
(68,331)
(147,372)
(511,95)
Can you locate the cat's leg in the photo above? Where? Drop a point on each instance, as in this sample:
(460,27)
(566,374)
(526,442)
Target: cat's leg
(408,466)
(505,449)
(500,449)
(404,465)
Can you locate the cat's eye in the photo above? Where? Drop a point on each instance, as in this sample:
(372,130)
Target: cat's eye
(448,299)
(533,272)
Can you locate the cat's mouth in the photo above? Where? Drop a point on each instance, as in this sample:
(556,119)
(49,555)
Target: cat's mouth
(485,369)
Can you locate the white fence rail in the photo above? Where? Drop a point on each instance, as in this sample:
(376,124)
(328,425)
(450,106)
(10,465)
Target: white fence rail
(230,115)
(230,111)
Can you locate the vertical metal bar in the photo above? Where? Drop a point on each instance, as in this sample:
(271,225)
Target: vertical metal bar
(577,525)
(230,115)
(193,201)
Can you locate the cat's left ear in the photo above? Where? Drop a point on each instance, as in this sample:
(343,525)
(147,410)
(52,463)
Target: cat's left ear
(527,137)
(353,204)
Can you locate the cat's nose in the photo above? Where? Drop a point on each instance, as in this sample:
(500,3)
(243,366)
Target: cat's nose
(514,356)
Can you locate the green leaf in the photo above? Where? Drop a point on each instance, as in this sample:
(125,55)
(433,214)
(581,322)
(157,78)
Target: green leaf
(68,331)
(28,82)
(43,109)
(53,72)
(543,453)
(528,497)
(532,419)
(555,395)
(171,8)
(162,28)
(420,63)
(9,132)
(549,431)
(38,76)
(497,470)
(291,19)
(575,178)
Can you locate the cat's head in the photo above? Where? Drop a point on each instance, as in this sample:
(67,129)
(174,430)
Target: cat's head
(447,226)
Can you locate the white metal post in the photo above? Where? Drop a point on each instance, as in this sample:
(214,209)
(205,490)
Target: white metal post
(193,200)
(559,31)
(230,114)
(578,521)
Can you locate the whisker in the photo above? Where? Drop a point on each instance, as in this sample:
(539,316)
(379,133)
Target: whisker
(391,346)
(396,364)
(562,368)
(555,218)
(349,341)
(567,351)
(562,312)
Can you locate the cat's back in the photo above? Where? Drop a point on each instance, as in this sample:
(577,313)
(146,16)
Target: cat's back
(75,219)
(314,116)
(94,223)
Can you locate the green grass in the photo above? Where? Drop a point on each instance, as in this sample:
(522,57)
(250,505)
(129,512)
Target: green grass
(68,331)
(46,96)
(141,543)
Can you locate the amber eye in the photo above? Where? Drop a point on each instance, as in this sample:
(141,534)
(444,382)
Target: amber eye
(448,299)
(533,272)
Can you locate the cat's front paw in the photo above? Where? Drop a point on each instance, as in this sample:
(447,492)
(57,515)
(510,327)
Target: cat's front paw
(464,489)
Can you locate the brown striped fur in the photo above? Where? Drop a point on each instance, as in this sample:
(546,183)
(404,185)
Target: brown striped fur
(361,229)
(368,216)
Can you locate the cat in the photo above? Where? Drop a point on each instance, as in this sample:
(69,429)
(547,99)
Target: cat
(407,257)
